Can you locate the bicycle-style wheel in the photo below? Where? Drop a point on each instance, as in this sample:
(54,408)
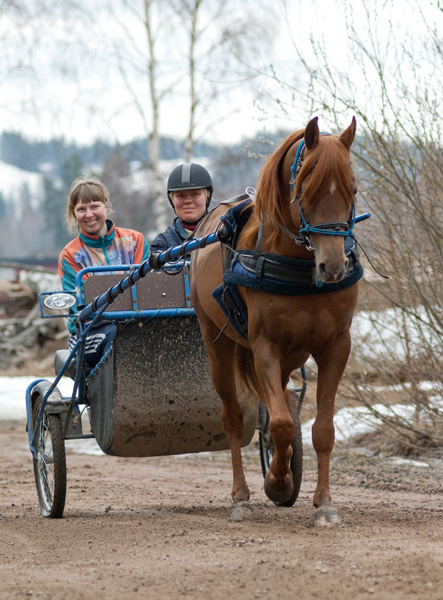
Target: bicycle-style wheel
(50,464)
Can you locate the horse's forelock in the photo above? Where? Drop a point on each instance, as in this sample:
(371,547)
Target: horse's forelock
(327,163)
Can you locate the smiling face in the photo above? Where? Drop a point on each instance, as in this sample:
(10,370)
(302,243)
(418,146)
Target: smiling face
(91,217)
(190,205)
(88,206)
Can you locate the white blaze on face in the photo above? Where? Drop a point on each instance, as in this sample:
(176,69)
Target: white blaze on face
(333,188)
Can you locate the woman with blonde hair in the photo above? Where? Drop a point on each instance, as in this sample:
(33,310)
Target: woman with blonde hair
(99,242)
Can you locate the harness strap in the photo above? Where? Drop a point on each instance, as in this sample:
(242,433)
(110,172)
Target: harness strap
(259,239)
(297,164)
(299,240)
(271,269)
(334,225)
(268,268)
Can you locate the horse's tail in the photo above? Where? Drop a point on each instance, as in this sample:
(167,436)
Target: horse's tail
(245,375)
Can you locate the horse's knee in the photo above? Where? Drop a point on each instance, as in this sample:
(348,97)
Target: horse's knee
(282,430)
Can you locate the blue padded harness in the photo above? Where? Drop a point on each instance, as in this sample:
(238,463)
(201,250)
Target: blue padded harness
(269,272)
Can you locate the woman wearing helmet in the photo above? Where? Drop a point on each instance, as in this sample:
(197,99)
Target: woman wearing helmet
(189,193)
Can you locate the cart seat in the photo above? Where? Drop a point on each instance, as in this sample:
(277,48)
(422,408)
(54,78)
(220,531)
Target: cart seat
(156,290)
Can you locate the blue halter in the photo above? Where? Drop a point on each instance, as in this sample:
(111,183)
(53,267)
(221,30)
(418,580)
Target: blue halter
(341,228)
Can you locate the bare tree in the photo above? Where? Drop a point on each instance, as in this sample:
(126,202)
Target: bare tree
(391,83)
(181,57)
(17,41)
(31,35)
(223,46)
(174,67)
(137,60)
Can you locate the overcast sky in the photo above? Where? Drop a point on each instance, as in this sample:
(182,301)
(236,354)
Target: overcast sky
(85,108)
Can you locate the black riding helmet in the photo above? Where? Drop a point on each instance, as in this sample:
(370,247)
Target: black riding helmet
(188,176)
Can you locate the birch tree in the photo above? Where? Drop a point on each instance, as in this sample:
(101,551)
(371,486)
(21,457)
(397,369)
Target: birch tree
(172,54)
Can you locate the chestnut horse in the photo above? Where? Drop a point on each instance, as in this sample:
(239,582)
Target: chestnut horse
(284,330)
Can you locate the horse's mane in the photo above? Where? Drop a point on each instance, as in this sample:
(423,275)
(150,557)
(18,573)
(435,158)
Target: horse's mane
(331,161)
(270,189)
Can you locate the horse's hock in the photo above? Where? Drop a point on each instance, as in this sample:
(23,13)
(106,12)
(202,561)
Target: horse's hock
(153,394)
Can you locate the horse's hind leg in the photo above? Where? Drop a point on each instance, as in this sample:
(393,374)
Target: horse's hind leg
(221,356)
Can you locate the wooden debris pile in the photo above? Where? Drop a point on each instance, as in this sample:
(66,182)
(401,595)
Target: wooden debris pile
(22,329)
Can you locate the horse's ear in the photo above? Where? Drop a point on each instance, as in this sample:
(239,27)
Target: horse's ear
(312,134)
(347,137)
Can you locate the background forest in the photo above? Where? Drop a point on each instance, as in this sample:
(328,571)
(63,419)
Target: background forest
(33,194)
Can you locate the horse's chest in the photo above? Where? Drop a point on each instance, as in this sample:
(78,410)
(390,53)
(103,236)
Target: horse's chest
(299,324)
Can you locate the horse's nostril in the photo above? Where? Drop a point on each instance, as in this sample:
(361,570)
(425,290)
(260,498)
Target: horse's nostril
(322,268)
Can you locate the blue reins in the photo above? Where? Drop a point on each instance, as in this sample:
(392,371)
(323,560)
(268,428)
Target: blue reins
(296,165)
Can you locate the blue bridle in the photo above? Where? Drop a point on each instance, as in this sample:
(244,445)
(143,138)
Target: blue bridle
(341,228)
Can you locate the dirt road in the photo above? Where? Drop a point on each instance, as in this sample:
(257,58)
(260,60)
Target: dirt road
(158,528)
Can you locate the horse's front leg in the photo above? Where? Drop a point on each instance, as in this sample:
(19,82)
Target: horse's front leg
(330,369)
(278,484)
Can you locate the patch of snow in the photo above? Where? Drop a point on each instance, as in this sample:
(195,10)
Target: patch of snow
(358,420)
(13,395)
(12,181)
(378,334)
(13,407)
(349,422)
(407,462)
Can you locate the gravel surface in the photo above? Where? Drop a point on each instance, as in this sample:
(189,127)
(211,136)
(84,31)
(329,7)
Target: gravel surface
(158,528)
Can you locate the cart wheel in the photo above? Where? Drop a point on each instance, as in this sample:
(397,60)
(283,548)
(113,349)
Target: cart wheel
(50,466)
(267,450)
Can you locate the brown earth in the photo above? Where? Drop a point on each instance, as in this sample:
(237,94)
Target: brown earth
(158,528)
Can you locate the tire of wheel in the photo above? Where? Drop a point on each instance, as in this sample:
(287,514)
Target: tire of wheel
(50,466)
(296,464)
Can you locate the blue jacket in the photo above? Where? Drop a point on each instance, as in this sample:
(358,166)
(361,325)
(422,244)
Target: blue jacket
(174,235)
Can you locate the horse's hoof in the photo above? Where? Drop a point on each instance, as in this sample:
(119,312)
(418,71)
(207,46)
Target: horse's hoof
(327,516)
(241,511)
(280,492)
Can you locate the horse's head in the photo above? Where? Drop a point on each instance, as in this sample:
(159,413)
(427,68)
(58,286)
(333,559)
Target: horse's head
(323,197)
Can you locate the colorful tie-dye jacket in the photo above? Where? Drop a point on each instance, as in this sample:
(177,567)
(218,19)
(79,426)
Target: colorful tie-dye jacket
(117,247)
